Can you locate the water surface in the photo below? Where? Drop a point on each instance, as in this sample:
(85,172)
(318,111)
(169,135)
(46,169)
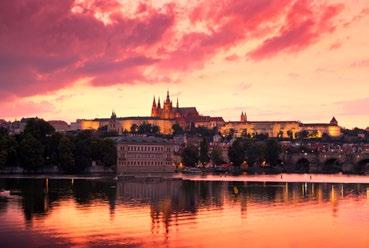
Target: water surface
(182,213)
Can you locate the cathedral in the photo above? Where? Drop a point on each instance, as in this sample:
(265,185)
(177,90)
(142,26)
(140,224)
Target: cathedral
(165,115)
(186,117)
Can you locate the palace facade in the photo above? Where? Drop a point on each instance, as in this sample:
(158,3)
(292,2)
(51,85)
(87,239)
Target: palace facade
(283,129)
(165,115)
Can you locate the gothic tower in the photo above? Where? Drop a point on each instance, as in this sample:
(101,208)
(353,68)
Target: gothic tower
(243,117)
(167,107)
(154,110)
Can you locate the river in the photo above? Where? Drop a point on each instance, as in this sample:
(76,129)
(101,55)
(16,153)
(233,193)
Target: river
(186,211)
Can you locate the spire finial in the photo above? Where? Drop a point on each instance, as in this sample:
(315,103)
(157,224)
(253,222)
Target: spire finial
(154,102)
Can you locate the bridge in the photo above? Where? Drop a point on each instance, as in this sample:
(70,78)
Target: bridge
(330,162)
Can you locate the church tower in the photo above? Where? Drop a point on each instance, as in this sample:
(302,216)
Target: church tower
(154,110)
(243,117)
(167,107)
(158,108)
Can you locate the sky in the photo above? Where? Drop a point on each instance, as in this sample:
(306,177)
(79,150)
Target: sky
(274,59)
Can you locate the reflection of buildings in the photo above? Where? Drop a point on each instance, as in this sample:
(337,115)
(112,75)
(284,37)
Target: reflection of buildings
(144,154)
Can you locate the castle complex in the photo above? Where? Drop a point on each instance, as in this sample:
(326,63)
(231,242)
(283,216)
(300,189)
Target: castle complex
(166,115)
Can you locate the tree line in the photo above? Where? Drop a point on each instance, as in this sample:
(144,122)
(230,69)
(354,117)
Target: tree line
(252,151)
(39,146)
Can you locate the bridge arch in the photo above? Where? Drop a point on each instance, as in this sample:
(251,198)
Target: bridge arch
(362,166)
(302,165)
(332,165)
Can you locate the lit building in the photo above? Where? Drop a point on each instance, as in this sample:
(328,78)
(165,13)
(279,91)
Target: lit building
(186,117)
(59,126)
(144,154)
(285,129)
(163,117)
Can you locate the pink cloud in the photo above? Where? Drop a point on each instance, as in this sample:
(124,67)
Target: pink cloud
(49,45)
(24,108)
(304,26)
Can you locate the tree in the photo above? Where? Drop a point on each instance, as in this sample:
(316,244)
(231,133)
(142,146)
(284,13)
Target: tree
(66,156)
(280,134)
(204,150)
(8,150)
(108,153)
(236,152)
(216,156)
(255,152)
(290,134)
(273,149)
(190,156)
(38,128)
(177,129)
(82,152)
(134,128)
(303,134)
(31,153)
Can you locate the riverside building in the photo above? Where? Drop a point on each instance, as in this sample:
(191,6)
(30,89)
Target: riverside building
(144,154)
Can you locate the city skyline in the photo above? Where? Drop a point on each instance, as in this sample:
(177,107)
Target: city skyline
(289,60)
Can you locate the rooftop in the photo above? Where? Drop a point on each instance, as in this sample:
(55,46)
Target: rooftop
(142,140)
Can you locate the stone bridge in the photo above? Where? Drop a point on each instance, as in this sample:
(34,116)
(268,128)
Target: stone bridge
(331,162)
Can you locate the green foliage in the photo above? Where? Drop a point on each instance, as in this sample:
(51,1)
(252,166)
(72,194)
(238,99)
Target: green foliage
(147,128)
(216,156)
(31,153)
(204,151)
(203,132)
(190,156)
(38,128)
(104,152)
(66,154)
(177,129)
(134,128)
(255,152)
(83,152)
(236,152)
(272,151)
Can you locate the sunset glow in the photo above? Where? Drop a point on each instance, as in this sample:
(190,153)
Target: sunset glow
(276,60)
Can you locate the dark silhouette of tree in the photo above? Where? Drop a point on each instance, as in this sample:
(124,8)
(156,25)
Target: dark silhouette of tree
(273,149)
(66,154)
(204,151)
(177,129)
(190,156)
(236,152)
(31,153)
(216,156)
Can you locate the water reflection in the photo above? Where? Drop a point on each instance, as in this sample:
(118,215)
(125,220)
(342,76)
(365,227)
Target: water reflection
(181,213)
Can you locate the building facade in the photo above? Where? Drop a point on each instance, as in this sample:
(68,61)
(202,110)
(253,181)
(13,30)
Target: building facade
(283,129)
(186,117)
(144,154)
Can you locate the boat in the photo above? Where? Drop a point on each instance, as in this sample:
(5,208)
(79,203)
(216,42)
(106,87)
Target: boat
(191,170)
(5,194)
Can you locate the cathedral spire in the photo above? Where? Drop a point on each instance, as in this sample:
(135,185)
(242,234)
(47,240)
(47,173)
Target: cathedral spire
(159,105)
(177,105)
(154,103)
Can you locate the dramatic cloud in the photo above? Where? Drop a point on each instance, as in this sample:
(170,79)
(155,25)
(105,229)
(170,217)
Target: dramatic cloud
(49,45)
(303,26)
